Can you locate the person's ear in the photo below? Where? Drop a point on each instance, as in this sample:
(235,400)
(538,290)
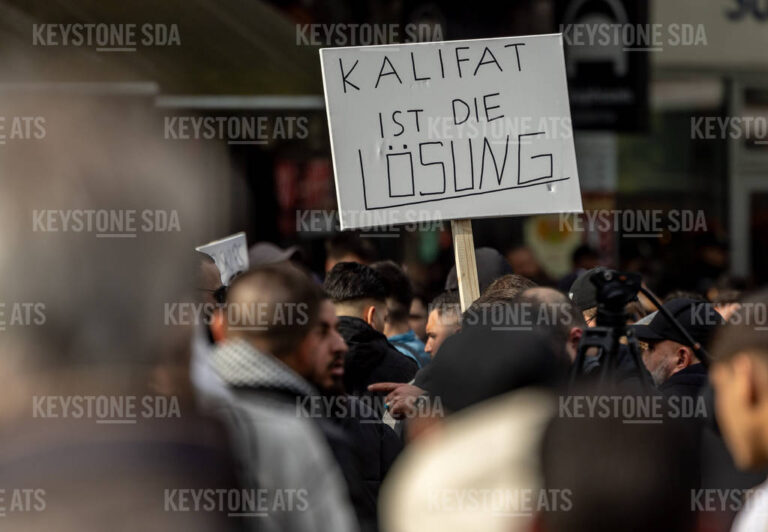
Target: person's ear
(218,325)
(684,357)
(572,344)
(368,314)
(574,337)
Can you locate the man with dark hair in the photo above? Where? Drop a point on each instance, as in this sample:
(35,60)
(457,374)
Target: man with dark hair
(279,337)
(739,375)
(348,246)
(359,296)
(397,328)
(444,321)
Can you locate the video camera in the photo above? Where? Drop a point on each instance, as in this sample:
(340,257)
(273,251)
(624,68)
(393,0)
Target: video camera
(614,290)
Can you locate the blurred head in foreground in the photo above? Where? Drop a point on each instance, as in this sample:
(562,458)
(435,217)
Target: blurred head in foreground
(739,374)
(102,213)
(102,221)
(616,476)
(478,472)
(480,363)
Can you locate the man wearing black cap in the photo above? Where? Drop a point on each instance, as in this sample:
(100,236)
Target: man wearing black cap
(583,293)
(674,364)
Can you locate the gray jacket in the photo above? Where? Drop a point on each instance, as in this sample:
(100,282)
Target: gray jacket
(282,453)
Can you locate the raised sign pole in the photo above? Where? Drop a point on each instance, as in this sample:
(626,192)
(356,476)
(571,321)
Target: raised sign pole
(466,265)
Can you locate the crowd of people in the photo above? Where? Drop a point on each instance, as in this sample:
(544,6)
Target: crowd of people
(538,407)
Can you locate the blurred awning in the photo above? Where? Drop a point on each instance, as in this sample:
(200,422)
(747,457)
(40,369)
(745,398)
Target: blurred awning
(224,50)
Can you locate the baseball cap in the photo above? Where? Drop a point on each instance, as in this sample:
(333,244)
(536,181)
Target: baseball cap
(698,318)
(583,292)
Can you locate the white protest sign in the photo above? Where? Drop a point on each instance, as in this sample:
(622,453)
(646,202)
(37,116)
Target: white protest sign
(230,255)
(450,130)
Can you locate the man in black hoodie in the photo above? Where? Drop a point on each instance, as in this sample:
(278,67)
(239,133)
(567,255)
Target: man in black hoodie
(359,295)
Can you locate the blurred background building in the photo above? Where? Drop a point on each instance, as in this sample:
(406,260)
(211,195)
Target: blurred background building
(633,109)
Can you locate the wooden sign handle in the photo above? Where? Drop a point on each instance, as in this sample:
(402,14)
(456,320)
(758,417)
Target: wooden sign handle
(466,265)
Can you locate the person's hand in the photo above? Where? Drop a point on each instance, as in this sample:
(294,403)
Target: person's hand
(401,397)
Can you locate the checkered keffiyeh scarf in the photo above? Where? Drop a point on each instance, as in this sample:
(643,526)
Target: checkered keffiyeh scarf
(241,365)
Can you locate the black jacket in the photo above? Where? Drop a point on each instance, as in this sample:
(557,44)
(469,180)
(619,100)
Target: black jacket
(371,358)
(688,381)
(375,447)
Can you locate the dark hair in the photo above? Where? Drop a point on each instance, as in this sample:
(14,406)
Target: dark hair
(398,288)
(350,242)
(508,286)
(500,293)
(446,301)
(743,331)
(554,313)
(351,281)
(270,286)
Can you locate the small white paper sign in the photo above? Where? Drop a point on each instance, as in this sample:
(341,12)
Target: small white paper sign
(230,255)
(448,130)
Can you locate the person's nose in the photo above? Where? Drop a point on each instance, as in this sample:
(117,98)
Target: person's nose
(340,346)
